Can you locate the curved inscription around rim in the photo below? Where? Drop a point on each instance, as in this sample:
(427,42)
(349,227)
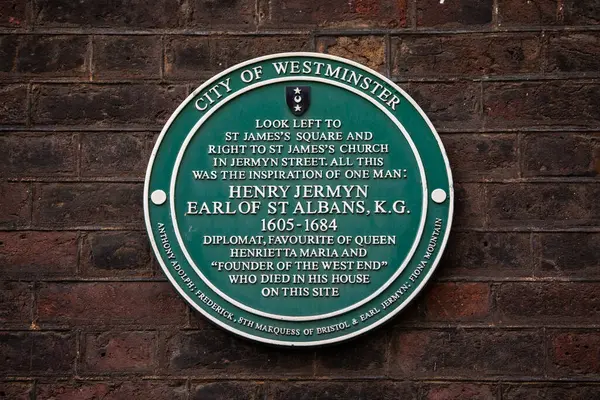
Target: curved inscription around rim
(289,199)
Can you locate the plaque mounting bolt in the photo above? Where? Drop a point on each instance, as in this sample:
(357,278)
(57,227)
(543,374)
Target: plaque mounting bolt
(439,196)
(158,197)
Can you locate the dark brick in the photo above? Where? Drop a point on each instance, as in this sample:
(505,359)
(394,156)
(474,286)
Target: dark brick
(39,353)
(138,104)
(561,154)
(100,204)
(574,353)
(551,302)
(16,390)
(487,254)
(125,13)
(15,203)
(440,353)
(366,50)
(130,390)
(212,352)
(229,14)
(527,12)
(115,154)
(13,104)
(38,155)
(188,57)
(8,52)
(48,55)
(110,254)
(333,14)
(110,303)
(127,57)
(194,57)
(469,205)
(460,391)
(16,303)
(32,255)
(432,13)
(550,391)
(374,390)
(574,52)
(557,103)
(228,51)
(13,13)
(482,156)
(227,391)
(568,254)
(366,356)
(544,204)
(457,302)
(459,55)
(454,105)
(119,352)
(582,12)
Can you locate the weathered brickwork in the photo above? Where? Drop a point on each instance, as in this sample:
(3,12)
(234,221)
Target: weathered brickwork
(513,87)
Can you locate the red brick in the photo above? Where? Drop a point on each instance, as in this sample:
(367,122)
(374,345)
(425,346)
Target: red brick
(111,254)
(482,156)
(561,154)
(96,204)
(112,390)
(366,50)
(574,52)
(119,352)
(115,154)
(13,104)
(27,155)
(460,391)
(110,303)
(32,255)
(574,353)
(527,12)
(466,353)
(470,55)
(457,302)
(432,13)
(101,105)
(544,204)
(214,352)
(16,390)
(45,55)
(548,302)
(15,203)
(487,254)
(539,104)
(333,14)
(568,254)
(121,57)
(454,105)
(16,304)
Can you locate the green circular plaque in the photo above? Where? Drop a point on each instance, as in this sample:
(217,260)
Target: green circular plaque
(298,199)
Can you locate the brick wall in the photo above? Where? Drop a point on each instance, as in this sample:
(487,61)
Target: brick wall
(513,86)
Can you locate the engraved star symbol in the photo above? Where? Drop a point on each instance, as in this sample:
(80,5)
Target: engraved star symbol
(297,90)
(297,108)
